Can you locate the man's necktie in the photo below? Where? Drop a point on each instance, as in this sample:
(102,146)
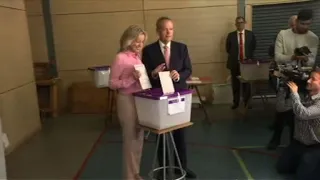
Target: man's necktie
(241,47)
(167,55)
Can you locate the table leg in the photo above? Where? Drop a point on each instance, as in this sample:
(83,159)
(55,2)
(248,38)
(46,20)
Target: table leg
(183,172)
(167,138)
(202,104)
(146,136)
(246,106)
(54,100)
(154,162)
(171,158)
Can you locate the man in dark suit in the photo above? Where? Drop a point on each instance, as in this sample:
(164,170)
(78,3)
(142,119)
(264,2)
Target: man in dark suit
(168,55)
(240,46)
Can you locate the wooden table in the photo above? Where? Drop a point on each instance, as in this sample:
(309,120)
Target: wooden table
(252,83)
(194,84)
(167,139)
(53,85)
(111,94)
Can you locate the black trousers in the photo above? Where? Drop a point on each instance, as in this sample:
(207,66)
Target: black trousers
(236,85)
(179,139)
(273,82)
(282,119)
(301,160)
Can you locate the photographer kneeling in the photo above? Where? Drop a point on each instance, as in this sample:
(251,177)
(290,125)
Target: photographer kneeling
(302,156)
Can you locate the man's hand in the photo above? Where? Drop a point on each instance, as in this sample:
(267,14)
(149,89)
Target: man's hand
(293,87)
(302,58)
(158,69)
(299,58)
(175,75)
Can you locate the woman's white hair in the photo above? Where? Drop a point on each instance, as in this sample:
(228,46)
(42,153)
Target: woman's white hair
(129,35)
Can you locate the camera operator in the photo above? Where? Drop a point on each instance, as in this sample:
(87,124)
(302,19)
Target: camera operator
(302,156)
(290,39)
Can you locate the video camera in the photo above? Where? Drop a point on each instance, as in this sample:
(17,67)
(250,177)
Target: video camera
(302,51)
(298,75)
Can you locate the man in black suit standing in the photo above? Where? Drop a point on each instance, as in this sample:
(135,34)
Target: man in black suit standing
(240,46)
(168,55)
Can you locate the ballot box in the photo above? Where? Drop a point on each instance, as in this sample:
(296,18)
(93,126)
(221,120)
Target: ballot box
(159,111)
(254,70)
(100,75)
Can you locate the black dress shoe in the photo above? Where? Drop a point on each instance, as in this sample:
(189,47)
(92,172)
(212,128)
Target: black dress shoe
(248,106)
(273,145)
(189,174)
(235,106)
(271,127)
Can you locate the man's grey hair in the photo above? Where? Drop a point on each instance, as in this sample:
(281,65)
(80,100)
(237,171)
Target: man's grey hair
(129,35)
(160,21)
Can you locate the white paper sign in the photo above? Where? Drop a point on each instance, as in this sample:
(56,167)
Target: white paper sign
(176,105)
(166,82)
(144,79)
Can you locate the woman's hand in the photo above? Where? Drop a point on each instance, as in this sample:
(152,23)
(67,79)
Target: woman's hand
(136,74)
(293,87)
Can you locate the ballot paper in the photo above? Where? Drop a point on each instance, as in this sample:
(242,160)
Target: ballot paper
(166,82)
(144,79)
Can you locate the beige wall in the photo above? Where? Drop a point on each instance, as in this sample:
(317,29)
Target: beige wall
(18,102)
(87,32)
(36,30)
(262,2)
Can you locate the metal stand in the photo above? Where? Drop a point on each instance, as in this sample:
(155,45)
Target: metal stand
(167,139)
(146,136)
(201,102)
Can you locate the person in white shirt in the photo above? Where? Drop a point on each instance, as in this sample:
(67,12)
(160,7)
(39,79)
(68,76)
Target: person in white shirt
(284,114)
(290,39)
(273,81)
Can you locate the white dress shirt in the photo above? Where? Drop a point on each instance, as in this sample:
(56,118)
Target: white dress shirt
(162,45)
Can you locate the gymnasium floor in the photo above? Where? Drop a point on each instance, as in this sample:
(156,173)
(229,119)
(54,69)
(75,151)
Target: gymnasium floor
(77,147)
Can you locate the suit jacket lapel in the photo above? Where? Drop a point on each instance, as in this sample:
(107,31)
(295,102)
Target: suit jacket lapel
(235,39)
(246,37)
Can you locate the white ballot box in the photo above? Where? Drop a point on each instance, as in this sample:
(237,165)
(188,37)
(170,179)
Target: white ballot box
(159,111)
(254,70)
(100,75)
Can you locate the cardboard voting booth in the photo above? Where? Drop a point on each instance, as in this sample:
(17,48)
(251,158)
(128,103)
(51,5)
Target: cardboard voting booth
(254,70)
(100,75)
(159,111)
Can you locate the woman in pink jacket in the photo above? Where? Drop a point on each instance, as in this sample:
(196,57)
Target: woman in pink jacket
(125,79)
